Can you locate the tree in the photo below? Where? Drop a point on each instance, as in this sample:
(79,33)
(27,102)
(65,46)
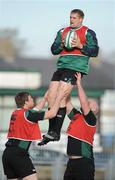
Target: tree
(11,46)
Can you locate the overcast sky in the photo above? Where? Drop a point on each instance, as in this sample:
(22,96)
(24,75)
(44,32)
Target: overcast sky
(39,20)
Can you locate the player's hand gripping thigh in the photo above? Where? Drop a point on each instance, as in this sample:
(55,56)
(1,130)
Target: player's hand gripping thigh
(31,177)
(65,87)
(52,92)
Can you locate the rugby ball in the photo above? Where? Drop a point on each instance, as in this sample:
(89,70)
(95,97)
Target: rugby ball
(68,39)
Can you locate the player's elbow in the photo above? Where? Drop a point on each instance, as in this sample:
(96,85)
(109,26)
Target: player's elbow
(54,51)
(95,52)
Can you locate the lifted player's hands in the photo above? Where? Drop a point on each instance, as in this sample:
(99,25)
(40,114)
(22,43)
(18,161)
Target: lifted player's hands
(76,43)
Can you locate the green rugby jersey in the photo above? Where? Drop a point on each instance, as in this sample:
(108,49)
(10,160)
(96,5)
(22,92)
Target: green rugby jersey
(76,62)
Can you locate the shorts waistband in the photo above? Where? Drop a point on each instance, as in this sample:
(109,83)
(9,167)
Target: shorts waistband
(18,143)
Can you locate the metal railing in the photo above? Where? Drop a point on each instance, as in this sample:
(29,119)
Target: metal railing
(56,160)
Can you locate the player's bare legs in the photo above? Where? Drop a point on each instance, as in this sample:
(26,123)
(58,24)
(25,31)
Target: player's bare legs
(31,177)
(56,123)
(52,92)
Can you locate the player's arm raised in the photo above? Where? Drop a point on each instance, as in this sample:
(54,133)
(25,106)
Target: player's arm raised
(82,95)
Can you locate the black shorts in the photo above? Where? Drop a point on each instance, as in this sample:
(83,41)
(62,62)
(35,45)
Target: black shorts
(80,169)
(66,75)
(17,163)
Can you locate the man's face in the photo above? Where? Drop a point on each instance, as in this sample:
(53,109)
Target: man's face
(75,20)
(30,103)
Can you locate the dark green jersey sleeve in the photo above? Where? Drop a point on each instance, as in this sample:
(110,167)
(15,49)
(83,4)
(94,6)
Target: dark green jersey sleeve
(72,113)
(34,116)
(91,48)
(90,118)
(56,47)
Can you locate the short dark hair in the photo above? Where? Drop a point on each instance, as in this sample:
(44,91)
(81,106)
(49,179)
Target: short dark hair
(78,11)
(20,98)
